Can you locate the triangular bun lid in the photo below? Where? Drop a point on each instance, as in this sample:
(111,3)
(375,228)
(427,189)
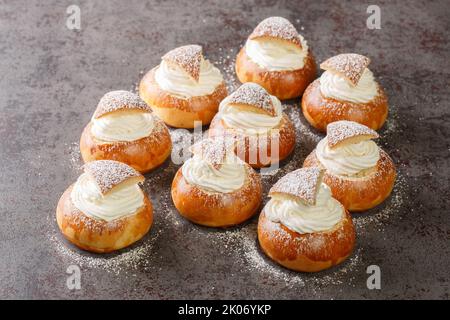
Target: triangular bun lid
(120,100)
(107,174)
(302,184)
(348,65)
(215,150)
(278,28)
(348,132)
(253,97)
(188,58)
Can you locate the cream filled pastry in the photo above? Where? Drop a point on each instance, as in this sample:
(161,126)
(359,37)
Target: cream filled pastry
(347,90)
(256,118)
(226,178)
(105,209)
(275,55)
(303,218)
(333,85)
(303,227)
(249,121)
(278,58)
(360,174)
(124,128)
(185,89)
(214,187)
(176,81)
(349,159)
(119,203)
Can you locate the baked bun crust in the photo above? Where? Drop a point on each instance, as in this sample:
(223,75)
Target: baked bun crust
(217,209)
(286,84)
(359,194)
(143,155)
(97,235)
(286,141)
(177,112)
(310,252)
(320,111)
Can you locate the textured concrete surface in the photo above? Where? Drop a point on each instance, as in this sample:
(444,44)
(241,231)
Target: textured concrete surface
(52,78)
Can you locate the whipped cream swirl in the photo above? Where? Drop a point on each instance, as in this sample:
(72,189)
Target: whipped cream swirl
(303,218)
(276,55)
(336,87)
(250,122)
(122,126)
(120,202)
(349,159)
(229,177)
(178,83)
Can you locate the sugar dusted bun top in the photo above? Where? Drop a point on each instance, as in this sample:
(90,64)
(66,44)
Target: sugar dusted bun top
(120,100)
(108,190)
(303,203)
(215,151)
(188,58)
(344,131)
(253,96)
(347,150)
(349,65)
(108,174)
(301,184)
(251,110)
(276,28)
(185,73)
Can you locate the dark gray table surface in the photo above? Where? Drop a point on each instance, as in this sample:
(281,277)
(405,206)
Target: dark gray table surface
(52,78)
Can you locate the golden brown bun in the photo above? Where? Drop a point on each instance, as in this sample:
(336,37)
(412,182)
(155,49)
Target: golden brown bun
(177,112)
(143,155)
(286,141)
(217,209)
(359,194)
(320,111)
(282,84)
(306,252)
(98,235)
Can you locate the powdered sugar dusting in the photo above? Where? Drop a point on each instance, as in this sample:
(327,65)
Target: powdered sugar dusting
(377,217)
(340,131)
(75,156)
(304,131)
(136,257)
(242,245)
(108,173)
(214,151)
(302,183)
(254,95)
(226,63)
(350,65)
(277,27)
(187,58)
(120,100)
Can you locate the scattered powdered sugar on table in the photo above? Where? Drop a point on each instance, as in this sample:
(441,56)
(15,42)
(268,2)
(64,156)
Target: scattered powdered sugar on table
(377,217)
(391,125)
(136,257)
(226,63)
(304,131)
(243,245)
(75,156)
